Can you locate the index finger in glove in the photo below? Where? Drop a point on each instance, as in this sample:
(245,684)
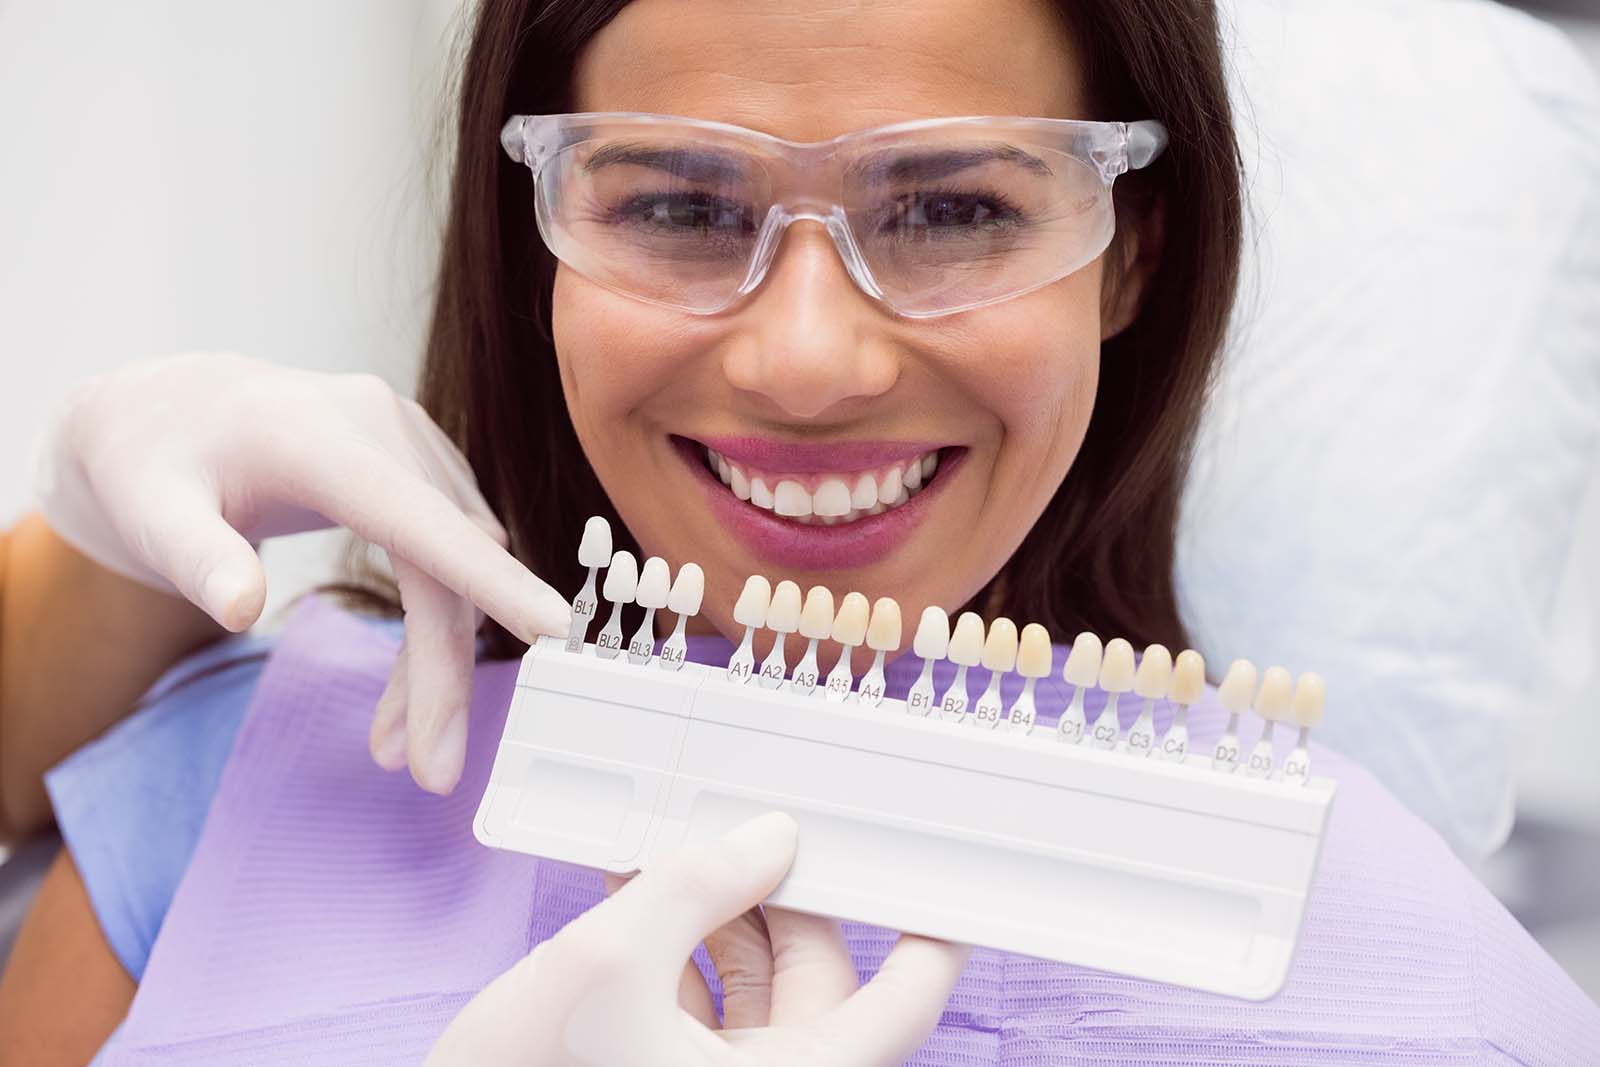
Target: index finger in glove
(654,922)
(366,490)
(889,1018)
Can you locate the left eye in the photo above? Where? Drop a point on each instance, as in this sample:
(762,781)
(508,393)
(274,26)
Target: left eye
(946,211)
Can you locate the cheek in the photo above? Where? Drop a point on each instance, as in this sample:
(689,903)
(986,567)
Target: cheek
(1040,370)
(615,354)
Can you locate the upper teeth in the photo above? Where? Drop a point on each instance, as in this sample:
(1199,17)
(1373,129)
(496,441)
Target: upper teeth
(826,498)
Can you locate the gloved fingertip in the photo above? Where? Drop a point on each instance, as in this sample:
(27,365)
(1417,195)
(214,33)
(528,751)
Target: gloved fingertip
(389,748)
(234,594)
(437,767)
(764,844)
(548,615)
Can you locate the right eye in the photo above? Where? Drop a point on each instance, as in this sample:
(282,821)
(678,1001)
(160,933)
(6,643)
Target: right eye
(688,214)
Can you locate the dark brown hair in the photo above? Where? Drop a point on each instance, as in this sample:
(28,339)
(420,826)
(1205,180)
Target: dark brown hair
(1100,557)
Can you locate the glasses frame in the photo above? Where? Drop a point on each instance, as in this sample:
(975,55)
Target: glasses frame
(1111,149)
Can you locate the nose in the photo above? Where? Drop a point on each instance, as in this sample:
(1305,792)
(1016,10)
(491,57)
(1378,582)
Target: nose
(809,341)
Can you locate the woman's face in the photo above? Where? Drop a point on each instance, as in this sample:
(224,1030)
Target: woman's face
(808,380)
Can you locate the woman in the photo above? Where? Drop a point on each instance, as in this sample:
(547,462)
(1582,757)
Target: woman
(1048,403)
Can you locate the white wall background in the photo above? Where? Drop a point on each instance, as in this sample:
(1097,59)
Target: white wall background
(190,175)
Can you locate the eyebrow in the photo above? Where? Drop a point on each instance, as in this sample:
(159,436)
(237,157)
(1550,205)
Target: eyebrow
(940,163)
(689,164)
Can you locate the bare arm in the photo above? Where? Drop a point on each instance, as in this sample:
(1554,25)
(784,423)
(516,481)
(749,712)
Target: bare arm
(78,646)
(64,991)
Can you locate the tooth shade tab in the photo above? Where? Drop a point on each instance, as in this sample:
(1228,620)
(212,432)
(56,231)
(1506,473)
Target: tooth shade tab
(933,634)
(622,577)
(1083,663)
(1116,669)
(966,642)
(884,630)
(1238,686)
(655,583)
(595,548)
(816,617)
(1154,676)
(751,607)
(1000,647)
(1034,653)
(783,614)
(850,625)
(688,590)
(1309,700)
(1188,678)
(1277,687)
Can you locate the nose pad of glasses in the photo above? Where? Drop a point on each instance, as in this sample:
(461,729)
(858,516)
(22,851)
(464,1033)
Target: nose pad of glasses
(778,221)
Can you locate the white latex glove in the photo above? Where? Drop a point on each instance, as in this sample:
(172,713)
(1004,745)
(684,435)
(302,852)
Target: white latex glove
(604,992)
(167,471)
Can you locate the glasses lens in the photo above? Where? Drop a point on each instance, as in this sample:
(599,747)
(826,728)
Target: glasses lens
(666,218)
(950,223)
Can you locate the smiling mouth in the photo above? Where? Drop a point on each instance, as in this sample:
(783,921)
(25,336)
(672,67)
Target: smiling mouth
(824,498)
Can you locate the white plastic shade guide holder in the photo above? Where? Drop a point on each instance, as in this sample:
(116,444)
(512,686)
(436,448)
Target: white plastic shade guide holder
(594,552)
(1082,671)
(1116,678)
(1033,662)
(622,581)
(883,637)
(749,611)
(816,626)
(783,619)
(1150,681)
(1167,871)
(849,631)
(1272,704)
(688,590)
(930,642)
(999,657)
(654,586)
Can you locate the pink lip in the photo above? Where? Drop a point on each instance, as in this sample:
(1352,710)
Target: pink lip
(797,547)
(798,458)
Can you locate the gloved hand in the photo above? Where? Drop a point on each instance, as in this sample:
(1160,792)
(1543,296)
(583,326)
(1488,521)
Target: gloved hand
(167,471)
(605,991)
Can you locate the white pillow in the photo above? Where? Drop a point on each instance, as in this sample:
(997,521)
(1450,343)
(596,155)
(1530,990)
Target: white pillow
(1389,474)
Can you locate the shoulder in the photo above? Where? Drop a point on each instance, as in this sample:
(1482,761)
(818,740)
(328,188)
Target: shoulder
(131,803)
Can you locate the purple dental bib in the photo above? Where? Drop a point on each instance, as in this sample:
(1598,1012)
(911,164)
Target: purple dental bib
(336,914)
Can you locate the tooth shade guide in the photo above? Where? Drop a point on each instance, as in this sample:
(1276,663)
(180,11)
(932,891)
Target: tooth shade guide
(1151,681)
(1188,686)
(651,592)
(1235,694)
(622,581)
(749,611)
(1116,678)
(688,590)
(1272,704)
(1306,709)
(933,819)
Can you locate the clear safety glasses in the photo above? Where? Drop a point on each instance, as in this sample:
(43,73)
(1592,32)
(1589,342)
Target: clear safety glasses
(931,217)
